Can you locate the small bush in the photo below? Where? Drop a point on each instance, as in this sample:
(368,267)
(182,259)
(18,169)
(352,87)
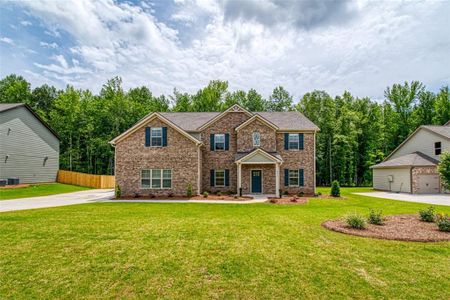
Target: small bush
(443,222)
(300,194)
(375,217)
(230,192)
(335,189)
(427,215)
(356,221)
(205,194)
(219,194)
(235,196)
(273,200)
(286,193)
(319,193)
(189,190)
(118,191)
(170,195)
(151,195)
(294,199)
(136,195)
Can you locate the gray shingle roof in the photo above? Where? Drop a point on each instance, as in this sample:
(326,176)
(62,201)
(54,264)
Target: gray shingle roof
(441,130)
(191,121)
(7,106)
(408,160)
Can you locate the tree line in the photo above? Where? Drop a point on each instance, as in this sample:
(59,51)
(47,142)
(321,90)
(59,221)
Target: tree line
(355,132)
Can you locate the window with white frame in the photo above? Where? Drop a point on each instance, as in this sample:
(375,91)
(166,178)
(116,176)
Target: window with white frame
(156,136)
(293,178)
(219,178)
(256,139)
(219,141)
(293,141)
(156,179)
(437,148)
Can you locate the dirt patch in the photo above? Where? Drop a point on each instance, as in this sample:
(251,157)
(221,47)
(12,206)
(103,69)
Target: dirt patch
(400,228)
(17,186)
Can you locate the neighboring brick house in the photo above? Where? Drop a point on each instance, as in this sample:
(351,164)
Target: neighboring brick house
(232,151)
(412,166)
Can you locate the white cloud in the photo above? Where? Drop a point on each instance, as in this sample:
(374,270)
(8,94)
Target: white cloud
(361,48)
(49,45)
(6,40)
(25,23)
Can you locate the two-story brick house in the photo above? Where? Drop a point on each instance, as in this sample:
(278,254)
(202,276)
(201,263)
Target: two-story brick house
(232,151)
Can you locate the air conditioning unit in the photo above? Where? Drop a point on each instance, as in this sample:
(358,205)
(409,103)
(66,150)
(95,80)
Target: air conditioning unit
(390,178)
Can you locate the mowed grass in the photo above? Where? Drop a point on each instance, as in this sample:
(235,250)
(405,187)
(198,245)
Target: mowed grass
(191,251)
(36,190)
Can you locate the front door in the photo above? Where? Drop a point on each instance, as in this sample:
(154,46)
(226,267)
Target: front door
(256,181)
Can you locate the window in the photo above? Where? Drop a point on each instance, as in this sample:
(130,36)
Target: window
(256,139)
(145,179)
(156,136)
(219,141)
(293,178)
(437,148)
(220,178)
(156,179)
(293,141)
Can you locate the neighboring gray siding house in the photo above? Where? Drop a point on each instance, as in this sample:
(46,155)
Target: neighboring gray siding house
(29,148)
(412,166)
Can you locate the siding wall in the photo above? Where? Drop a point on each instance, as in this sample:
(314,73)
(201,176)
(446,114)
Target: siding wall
(27,144)
(401,183)
(422,141)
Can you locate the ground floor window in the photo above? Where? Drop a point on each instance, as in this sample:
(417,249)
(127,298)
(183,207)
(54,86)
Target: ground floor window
(293,178)
(156,179)
(220,178)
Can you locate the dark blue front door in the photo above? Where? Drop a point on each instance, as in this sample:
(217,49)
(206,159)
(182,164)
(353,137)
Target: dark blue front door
(256,181)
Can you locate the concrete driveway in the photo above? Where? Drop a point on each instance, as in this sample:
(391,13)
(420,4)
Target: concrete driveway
(437,199)
(56,200)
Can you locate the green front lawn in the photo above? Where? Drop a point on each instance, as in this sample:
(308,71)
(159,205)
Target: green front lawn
(141,250)
(36,190)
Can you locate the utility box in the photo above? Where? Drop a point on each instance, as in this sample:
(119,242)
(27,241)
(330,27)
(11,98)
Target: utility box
(13,181)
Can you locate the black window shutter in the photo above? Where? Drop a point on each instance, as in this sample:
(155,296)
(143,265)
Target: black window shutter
(227,177)
(147,136)
(211,183)
(211,141)
(301,177)
(300,141)
(286,177)
(164,136)
(286,141)
(227,141)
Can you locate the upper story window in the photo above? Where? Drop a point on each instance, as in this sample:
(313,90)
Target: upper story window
(219,141)
(293,141)
(437,148)
(156,136)
(256,139)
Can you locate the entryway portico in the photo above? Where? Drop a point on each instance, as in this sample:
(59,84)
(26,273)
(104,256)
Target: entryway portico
(258,172)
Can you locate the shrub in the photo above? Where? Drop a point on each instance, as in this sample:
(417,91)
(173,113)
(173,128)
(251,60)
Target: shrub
(219,194)
(151,195)
(205,194)
(443,222)
(235,196)
(300,194)
(356,221)
(375,217)
(136,195)
(319,193)
(294,199)
(273,200)
(170,195)
(118,191)
(444,169)
(189,190)
(230,192)
(335,189)
(427,215)
(286,193)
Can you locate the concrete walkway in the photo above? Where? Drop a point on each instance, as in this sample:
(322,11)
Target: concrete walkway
(436,199)
(256,199)
(88,196)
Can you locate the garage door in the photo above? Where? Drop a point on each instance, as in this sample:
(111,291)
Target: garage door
(427,184)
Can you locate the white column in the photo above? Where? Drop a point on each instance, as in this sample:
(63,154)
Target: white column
(277,180)
(238,177)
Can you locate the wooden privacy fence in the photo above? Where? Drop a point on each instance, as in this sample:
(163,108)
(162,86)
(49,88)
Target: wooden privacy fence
(89,180)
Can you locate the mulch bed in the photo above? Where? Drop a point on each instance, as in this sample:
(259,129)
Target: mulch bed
(17,186)
(400,228)
(200,197)
(291,199)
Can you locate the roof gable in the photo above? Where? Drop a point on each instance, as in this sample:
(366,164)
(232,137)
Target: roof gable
(236,108)
(258,156)
(149,118)
(255,118)
(409,160)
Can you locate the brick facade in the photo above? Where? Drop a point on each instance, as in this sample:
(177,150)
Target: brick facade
(132,156)
(185,159)
(245,137)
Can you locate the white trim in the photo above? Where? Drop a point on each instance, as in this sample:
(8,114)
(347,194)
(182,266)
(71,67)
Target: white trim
(262,181)
(259,138)
(199,171)
(262,119)
(224,141)
(298,178)
(151,136)
(234,108)
(150,117)
(314,165)
(161,179)
(262,152)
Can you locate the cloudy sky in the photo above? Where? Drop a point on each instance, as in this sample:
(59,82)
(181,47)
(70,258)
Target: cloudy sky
(361,46)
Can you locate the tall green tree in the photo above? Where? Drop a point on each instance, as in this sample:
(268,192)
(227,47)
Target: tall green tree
(280,100)
(14,89)
(442,106)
